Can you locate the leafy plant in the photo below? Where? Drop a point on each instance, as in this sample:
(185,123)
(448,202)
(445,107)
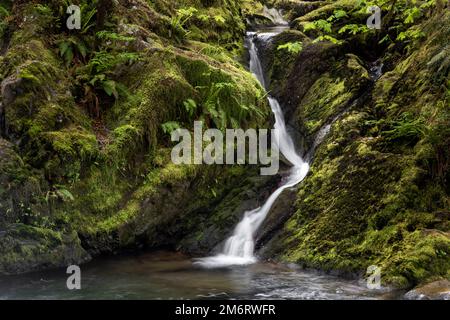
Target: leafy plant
(46,18)
(59,192)
(3,11)
(321,24)
(219,19)
(410,34)
(88,10)
(98,74)
(190,106)
(327,38)
(292,47)
(354,29)
(223,106)
(72,47)
(170,126)
(337,14)
(179,21)
(412,14)
(407,127)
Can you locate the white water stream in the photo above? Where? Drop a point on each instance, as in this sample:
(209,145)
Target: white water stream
(239,248)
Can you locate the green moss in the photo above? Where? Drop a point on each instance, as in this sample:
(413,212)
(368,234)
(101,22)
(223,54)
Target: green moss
(331,94)
(25,248)
(371,199)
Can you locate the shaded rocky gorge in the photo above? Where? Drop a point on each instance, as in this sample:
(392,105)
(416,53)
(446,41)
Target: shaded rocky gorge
(85,164)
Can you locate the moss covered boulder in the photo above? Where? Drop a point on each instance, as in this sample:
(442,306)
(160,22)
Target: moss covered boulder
(378,190)
(86,119)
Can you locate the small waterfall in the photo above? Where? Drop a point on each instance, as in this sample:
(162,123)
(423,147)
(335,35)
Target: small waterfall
(239,248)
(274,15)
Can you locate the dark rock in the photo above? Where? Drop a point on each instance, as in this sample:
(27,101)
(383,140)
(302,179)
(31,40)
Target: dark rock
(282,210)
(9,90)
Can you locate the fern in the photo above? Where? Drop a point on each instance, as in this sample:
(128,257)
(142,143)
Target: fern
(3,12)
(87,14)
(407,127)
(71,47)
(337,14)
(328,38)
(190,106)
(179,21)
(323,25)
(291,47)
(354,29)
(219,19)
(170,126)
(410,34)
(412,14)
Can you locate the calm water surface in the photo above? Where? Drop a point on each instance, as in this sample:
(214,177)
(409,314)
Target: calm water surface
(165,275)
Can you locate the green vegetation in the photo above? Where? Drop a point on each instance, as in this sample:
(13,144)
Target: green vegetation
(93,107)
(378,192)
(86,117)
(292,47)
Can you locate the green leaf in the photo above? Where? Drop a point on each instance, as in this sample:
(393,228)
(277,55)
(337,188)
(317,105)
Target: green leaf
(170,126)
(190,106)
(412,14)
(309,26)
(219,19)
(328,38)
(323,25)
(82,49)
(3,12)
(354,29)
(291,47)
(109,86)
(65,194)
(339,13)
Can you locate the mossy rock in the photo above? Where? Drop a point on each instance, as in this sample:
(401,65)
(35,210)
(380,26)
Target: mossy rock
(24,248)
(371,198)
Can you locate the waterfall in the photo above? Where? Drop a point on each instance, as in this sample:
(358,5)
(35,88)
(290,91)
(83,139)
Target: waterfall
(274,15)
(239,248)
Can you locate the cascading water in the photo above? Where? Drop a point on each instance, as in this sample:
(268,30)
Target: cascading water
(274,15)
(239,248)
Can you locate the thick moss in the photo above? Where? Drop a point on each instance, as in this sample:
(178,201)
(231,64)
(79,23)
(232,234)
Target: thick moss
(374,195)
(96,176)
(25,248)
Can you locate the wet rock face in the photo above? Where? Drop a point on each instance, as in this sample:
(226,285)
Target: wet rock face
(25,248)
(201,228)
(281,211)
(220,222)
(10,88)
(438,290)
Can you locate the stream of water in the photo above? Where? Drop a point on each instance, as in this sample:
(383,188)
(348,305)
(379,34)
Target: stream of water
(239,247)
